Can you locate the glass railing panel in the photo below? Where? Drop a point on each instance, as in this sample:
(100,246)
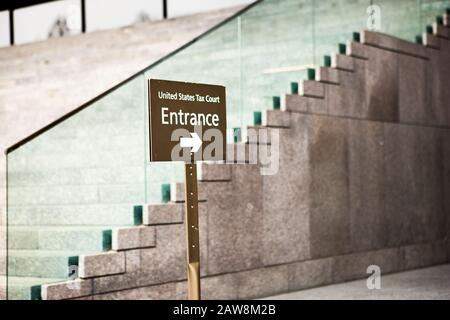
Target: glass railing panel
(430,10)
(70,185)
(335,22)
(400,18)
(277,49)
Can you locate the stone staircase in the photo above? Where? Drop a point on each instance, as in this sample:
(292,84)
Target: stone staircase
(360,182)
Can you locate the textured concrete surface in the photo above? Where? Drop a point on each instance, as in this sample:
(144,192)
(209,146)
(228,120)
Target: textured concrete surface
(276,119)
(67,290)
(131,238)
(422,284)
(413,104)
(285,220)
(163,213)
(329,194)
(382,85)
(234,221)
(347,99)
(102,264)
(366,184)
(167,261)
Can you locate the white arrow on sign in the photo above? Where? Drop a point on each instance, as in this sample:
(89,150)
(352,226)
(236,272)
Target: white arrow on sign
(194,143)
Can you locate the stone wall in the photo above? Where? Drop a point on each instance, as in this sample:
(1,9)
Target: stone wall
(364,179)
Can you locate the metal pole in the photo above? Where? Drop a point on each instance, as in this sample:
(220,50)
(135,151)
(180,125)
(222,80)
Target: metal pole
(165,9)
(83,16)
(192,230)
(11,27)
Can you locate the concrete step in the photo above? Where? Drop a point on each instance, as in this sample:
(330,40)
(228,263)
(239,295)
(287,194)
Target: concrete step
(276,119)
(133,238)
(102,264)
(441,31)
(343,62)
(42,263)
(159,214)
(388,42)
(297,103)
(311,88)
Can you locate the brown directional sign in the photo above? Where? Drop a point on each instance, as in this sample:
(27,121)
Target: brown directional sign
(186,118)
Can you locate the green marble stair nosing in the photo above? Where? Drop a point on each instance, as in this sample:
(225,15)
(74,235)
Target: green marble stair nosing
(35,292)
(257,118)
(137,215)
(276,101)
(419,39)
(107,240)
(429,29)
(342,48)
(311,74)
(73,261)
(440,20)
(294,88)
(165,192)
(356,36)
(327,61)
(237,135)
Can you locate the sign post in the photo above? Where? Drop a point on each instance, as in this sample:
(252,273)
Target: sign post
(192,231)
(188,123)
